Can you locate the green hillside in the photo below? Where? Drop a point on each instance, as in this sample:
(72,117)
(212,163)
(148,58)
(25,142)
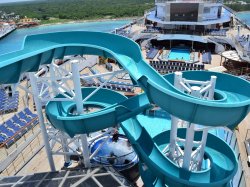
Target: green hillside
(80,9)
(50,11)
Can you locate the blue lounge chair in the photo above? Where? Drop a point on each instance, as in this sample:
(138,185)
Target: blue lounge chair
(2,138)
(29,113)
(24,117)
(17,121)
(11,125)
(6,131)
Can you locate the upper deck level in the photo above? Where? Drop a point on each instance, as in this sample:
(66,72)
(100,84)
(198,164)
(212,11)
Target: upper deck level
(190,12)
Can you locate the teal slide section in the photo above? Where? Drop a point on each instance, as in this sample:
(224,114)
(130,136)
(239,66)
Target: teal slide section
(231,104)
(229,108)
(160,170)
(114,108)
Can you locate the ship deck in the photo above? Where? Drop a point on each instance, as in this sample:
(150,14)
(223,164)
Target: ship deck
(39,162)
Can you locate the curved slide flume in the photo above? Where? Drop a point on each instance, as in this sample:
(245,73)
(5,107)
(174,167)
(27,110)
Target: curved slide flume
(228,110)
(116,108)
(41,49)
(161,170)
(111,109)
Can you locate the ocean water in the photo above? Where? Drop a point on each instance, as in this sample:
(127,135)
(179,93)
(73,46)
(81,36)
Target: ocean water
(245,17)
(13,41)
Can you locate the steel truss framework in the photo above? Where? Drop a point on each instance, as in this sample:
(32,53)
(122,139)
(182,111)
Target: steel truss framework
(65,80)
(179,150)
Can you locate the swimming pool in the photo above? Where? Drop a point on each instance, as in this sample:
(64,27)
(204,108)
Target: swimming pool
(177,54)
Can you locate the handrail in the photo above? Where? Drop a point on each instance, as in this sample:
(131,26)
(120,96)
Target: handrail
(13,155)
(240,49)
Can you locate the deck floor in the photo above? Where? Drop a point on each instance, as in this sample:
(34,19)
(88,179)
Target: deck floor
(39,163)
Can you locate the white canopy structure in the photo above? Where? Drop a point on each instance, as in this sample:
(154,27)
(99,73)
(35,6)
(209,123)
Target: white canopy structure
(181,37)
(219,69)
(231,55)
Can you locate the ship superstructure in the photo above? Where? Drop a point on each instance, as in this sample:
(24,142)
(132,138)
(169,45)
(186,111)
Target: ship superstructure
(192,15)
(6,28)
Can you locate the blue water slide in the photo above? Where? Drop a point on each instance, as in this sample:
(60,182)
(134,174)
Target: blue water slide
(116,108)
(41,49)
(111,109)
(161,170)
(231,104)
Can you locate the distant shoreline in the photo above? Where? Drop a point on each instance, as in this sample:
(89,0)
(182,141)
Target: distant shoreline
(88,21)
(247,11)
(244,20)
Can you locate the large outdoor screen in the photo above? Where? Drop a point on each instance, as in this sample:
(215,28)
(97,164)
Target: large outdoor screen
(184,11)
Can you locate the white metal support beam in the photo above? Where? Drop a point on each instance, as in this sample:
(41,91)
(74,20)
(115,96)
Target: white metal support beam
(97,89)
(65,148)
(188,147)
(53,79)
(41,120)
(211,92)
(102,74)
(187,158)
(79,107)
(174,120)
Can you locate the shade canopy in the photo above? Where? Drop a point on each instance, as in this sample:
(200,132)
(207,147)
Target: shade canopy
(181,37)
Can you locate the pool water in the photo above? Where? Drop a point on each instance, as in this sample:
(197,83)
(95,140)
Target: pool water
(179,55)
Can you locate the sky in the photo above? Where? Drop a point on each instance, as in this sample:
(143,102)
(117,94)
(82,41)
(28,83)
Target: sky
(11,1)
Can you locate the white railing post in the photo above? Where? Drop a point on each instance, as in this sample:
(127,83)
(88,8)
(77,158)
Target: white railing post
(238,30)
(38,104)
(79,108)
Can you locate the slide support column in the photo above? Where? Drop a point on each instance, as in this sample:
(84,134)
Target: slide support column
(189,143)
(79,107)
(202,149)
(174,120)
(188,146)
(52,77)
(211,91)
(205,131)
(38,104)
(65,149)
(63,138)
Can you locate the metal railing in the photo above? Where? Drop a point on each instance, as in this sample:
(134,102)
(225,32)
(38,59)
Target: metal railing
(146,12)
(239,179)
(240,49)
(12,140)
(15,157)
(121,162)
